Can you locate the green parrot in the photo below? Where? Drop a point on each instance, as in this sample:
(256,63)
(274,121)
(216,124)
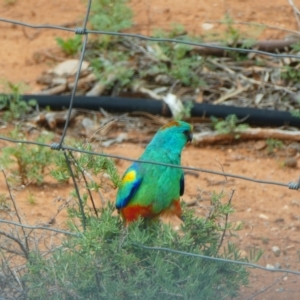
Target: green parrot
(148,190)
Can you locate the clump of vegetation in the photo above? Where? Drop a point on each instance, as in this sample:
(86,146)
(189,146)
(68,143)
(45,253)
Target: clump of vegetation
(70,46)
(273,144)
(108,261)
(290,73)
(229,126)
(15,108)
(31,160)
(85,163)
(110,15)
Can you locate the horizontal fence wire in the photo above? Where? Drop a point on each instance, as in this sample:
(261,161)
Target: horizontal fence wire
(151,39)
(61,146)
(56,146)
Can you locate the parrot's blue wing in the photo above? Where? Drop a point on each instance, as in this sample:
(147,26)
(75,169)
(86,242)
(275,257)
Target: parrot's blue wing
(182,185)
(131,181)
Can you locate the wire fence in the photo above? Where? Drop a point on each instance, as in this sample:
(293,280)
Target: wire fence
(62,147)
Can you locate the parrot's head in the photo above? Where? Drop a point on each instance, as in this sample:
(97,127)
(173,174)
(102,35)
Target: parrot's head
(173,136)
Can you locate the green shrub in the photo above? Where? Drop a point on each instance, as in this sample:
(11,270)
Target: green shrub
(13,104)
(110,15)
(31,160)
(107,261)
(70,46)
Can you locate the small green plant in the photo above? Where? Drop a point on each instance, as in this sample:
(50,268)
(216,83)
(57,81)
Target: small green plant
(110,15)
(232,34)
(290,73)
(176,63)
(4,204)
(32,161)
(93,164)
(15,108)
(31,199)
(187,70)
(112,68)
(70,46)
(229,126)
(296,47)
(273,144)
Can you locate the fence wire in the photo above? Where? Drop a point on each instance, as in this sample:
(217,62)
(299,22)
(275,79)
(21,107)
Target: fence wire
(60,146)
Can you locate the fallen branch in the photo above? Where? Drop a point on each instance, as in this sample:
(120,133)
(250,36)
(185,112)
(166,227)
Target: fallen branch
(248,134)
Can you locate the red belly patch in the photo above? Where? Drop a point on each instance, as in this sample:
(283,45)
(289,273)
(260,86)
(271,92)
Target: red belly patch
(131,213)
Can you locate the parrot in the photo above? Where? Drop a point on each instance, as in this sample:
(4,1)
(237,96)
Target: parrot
(148,190)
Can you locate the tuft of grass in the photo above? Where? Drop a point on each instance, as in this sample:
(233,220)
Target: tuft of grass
(70,46)
(4,203)
(31,199)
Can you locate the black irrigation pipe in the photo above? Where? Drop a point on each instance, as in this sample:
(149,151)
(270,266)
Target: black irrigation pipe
(254,116)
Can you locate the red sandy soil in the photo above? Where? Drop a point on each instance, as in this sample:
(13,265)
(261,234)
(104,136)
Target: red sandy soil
(271,214)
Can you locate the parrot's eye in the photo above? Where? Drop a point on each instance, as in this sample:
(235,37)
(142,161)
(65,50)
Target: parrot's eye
(188,135)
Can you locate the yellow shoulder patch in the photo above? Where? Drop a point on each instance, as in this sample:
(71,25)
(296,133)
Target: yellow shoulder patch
(129,177)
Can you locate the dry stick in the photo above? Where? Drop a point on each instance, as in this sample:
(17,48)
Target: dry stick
(16,240)
(257,24)
(253,81)
(269,286)
(11,251)
(296,11)
(231,94)
(16,210)
(76,190)
(13,273)
(85,181)
(18,280)
(277,87)
(38,227)
(99,192)
(208,137)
